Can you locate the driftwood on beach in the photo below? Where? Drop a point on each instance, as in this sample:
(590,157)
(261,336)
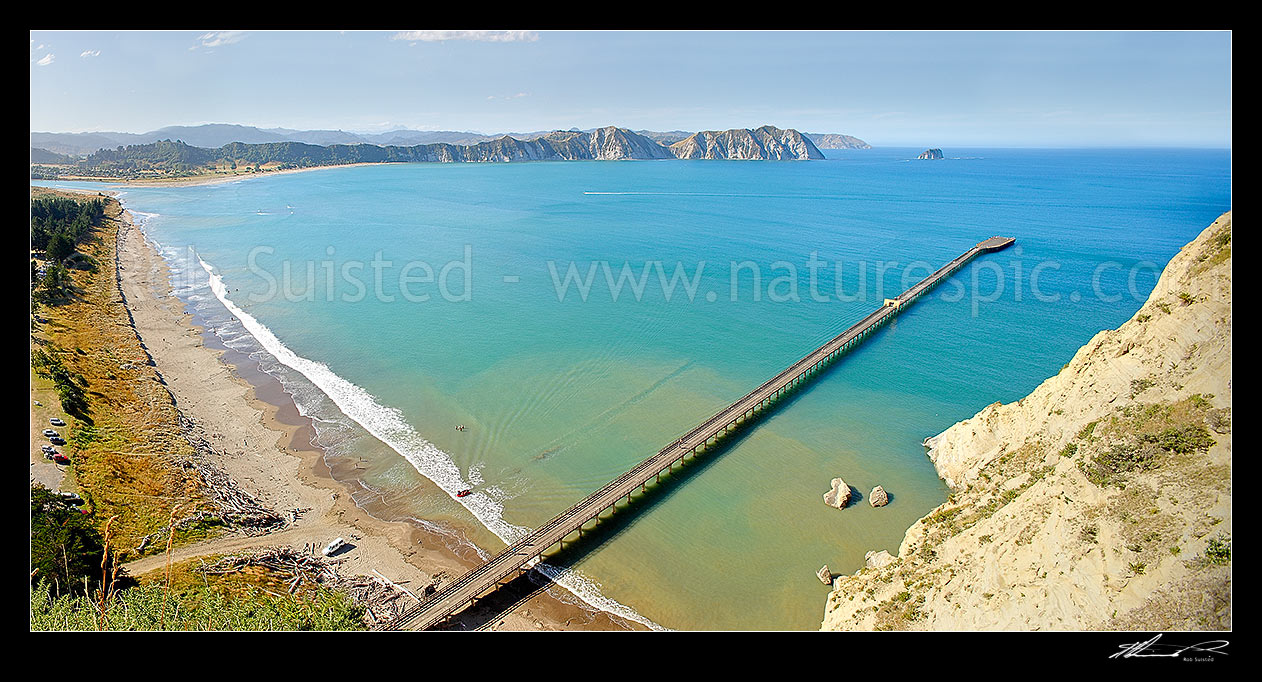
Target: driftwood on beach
(238,508)
(382,599)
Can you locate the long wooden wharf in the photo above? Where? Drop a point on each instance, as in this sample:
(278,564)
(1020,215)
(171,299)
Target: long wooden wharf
(519,555)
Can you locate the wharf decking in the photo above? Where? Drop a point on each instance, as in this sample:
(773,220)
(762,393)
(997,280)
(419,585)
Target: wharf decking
(516,557)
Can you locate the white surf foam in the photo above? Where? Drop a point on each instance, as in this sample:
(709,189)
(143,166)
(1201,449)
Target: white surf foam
(388,425)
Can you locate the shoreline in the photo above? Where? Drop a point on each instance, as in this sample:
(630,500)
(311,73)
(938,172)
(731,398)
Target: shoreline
(205,179)
(264,443)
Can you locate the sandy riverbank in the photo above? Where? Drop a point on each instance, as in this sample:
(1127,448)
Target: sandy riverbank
(266,446)
(203,179)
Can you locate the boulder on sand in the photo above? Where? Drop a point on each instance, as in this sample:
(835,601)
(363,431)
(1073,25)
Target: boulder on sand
(839,495)
(879,498)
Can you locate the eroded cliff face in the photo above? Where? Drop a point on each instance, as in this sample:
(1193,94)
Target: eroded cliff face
(607,144)
(1101,500)
(767,142)
(604,144)
(613,143)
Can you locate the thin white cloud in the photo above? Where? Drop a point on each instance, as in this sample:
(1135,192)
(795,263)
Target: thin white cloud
(48,59)
(90,53)
(520,94)
(217,38)
(479,36)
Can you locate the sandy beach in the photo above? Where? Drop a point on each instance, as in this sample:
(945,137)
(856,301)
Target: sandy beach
(265,444)
(204,179)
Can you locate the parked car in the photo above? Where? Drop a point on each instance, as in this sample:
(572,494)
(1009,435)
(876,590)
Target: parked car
(72,498)
(56,421)
(334,546)
(47,449)
(49,433)
(61,459)
(57,440)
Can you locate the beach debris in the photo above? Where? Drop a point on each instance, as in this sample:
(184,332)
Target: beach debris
(460,427)
(237,508)
(144,542)
(839,495)
(825,576)
(382,599)
(395,586)
(292,516)
(879,498)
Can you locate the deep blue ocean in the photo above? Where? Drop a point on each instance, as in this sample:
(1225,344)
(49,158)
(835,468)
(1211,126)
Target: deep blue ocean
(577,316)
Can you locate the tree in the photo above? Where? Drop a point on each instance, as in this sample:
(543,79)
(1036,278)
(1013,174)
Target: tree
(60,247)
(65,548)
(71,388)
(56,284)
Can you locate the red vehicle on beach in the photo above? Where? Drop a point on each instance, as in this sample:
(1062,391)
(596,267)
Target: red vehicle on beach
(463,493)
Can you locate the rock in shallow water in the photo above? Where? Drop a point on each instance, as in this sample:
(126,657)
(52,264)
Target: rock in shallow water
(879,498)
(825,575)
(839,495)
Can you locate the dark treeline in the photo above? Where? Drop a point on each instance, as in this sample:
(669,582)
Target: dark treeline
(179,158)
(72,388)
(53,217)
(58,226)
(66,550)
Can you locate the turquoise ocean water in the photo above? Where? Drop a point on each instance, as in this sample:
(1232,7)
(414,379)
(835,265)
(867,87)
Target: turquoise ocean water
(560,394)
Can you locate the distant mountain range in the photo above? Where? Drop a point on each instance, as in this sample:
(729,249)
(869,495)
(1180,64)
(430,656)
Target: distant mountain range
(180,158)
(215,135)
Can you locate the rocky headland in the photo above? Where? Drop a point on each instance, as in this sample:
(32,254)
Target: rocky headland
(765,143)
(1102,500)
(836,141)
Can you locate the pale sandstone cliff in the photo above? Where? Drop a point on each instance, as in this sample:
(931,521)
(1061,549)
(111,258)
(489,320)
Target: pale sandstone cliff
(1101,500)
(765,143)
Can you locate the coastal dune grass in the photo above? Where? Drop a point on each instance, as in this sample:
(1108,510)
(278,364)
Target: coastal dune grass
(125,443)
(186,597)
(147,607)
(124,440)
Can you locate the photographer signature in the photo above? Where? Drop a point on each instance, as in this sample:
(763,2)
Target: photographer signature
(1152,649)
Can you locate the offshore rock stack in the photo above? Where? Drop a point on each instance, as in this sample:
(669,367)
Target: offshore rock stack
(839,495)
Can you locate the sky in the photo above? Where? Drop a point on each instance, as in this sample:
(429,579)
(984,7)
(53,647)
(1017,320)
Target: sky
(915,88)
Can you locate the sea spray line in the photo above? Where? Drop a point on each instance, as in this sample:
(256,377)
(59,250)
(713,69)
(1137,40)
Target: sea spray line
(385,423)
(388,425)
(353,401)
